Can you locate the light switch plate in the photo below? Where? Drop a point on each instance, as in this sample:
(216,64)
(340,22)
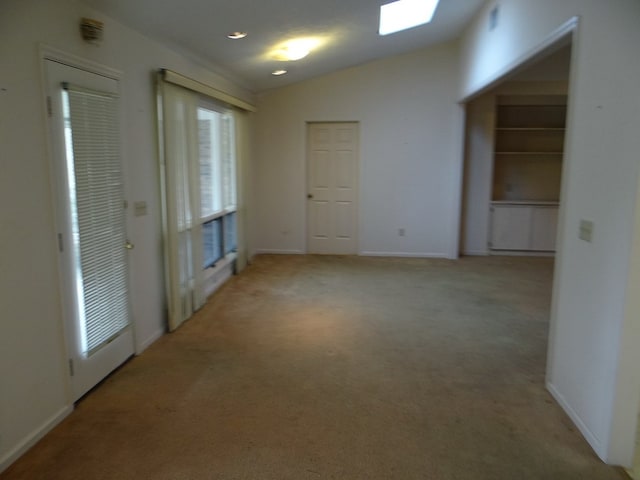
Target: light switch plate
(586,230)
(493,18)
(140,209)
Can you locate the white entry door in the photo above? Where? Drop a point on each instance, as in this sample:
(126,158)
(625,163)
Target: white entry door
(332,188)
(90,219)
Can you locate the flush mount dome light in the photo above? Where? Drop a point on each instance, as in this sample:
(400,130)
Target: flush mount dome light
(404,14)
(277,73)
(294,53)
(237,35)
(295,49)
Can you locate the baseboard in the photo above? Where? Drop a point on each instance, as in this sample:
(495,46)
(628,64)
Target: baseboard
(634,470)
(147,343)
(33,438)
(403,254)
(520,253)
(273,251)
(595,443)
(268,251)
(634,473)
(476,253)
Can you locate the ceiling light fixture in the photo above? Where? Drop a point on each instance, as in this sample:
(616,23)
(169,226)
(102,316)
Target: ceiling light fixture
(237,35)
(295,49)
(404,14)
(277,73)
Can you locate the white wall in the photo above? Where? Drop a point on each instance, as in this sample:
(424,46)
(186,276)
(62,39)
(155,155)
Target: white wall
(33,378)
(478,174)
(592,369)
(410,129)
(551,67)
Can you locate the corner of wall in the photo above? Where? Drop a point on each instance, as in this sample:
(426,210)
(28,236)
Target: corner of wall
(31,439)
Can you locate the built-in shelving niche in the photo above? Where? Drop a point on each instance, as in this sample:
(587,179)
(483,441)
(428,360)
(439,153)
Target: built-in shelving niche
(529,147)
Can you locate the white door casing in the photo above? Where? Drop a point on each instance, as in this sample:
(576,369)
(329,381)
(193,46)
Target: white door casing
(86,368)
(332,188)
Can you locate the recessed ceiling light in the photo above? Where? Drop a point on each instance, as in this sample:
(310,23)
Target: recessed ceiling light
(237,35)
(404,14)
(277,73)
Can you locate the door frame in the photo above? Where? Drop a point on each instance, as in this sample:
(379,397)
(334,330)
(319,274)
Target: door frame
(620,442)
(48,53)
(358,180)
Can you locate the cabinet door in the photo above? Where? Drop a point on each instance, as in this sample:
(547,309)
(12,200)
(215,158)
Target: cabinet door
(544,224)
(511,227)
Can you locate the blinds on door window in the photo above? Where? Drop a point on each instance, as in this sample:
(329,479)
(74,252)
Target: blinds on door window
(96,190)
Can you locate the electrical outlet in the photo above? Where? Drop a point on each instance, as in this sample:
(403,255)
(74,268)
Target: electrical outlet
(586,230)
(401,232)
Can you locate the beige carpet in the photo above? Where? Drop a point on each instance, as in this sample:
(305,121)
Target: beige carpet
(337,368)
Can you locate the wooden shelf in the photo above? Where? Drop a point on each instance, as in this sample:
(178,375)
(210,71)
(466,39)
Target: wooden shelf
(527,116)
(528,146)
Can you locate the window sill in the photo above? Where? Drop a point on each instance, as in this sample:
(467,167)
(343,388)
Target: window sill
(214,277)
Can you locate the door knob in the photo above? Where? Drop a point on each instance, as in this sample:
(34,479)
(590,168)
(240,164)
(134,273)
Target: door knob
(309,195)
(129,246)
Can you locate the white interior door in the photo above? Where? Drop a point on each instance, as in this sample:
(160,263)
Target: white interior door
(332,195)
(90,218)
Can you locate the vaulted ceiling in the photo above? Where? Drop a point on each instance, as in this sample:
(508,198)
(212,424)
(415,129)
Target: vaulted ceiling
(347,32)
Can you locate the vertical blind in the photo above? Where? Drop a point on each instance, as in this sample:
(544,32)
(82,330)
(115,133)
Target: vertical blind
(98,223)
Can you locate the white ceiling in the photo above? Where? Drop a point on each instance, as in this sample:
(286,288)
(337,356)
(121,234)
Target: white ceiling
(349,28)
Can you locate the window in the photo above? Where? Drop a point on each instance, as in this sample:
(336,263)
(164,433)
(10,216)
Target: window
(217,179)
(95,196)
(230,235)
(201,141)
(211,242)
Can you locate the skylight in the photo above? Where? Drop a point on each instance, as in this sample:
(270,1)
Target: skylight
(404,14)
